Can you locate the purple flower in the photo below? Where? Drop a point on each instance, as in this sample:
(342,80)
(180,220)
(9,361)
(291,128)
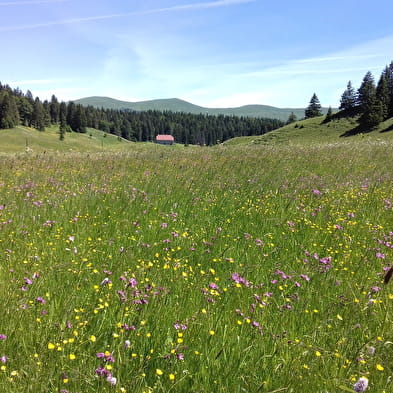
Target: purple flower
(3,359)
(132,282)
(40,299)
(361,385)
(3,337)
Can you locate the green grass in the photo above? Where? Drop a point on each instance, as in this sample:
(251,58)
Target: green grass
(234,268)
(22,139)
(314,130)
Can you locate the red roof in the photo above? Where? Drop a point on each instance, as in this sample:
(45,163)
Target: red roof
(161,137)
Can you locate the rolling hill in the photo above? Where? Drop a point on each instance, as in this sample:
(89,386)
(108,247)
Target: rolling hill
(177,105)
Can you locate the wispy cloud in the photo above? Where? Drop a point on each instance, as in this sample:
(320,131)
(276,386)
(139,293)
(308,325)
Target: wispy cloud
(184,7)
(32,2)
(34,82)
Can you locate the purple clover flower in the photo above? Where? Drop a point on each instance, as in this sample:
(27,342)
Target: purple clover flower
(361,385)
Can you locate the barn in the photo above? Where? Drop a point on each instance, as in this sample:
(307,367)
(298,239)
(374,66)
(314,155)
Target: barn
(165,139)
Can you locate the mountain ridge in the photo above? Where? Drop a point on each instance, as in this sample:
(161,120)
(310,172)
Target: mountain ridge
(179,105)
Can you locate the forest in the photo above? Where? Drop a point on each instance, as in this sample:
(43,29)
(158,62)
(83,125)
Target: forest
(18,108)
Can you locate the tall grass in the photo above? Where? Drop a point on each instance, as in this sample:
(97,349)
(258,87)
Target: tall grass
(226,269)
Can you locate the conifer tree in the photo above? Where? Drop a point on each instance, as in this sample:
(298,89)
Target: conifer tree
(329,115)
(38,115)
(9,115)
(368,103)
(314,108)
(292,118)
(382,97)
(348,98)
(389,77)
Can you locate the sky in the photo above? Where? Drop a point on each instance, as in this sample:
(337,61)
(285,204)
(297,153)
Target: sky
(213,53)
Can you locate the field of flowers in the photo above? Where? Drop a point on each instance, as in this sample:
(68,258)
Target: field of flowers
(198,270)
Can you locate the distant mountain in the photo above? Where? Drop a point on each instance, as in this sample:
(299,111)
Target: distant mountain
(177,105)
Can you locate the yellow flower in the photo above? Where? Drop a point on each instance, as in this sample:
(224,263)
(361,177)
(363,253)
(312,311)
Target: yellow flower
(317,353)
(379,367)
(51,346)
(172,377)
(72,356)
(93,338)
(212,332)
(159,372)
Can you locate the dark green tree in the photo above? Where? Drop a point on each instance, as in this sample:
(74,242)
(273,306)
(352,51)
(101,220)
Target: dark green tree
(368,103)
(382,96)
(329,115)
(348,98)
(54,109)
(314,108)
(38,119)
(9,115)
(389,77)
(25,109)
(292,118)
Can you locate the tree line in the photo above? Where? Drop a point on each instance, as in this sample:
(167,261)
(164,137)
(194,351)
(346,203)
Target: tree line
(373,102)
(18,108)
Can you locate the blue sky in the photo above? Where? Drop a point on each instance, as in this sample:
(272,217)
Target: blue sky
(214,53)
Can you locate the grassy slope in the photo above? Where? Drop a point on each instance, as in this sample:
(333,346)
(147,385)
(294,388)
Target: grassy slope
(176,105)
(309,131)
(314,131)
(16,140)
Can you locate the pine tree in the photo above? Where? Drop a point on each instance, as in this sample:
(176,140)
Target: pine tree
(329,115)
(314,108)
(9,115)
(348,98)
(54,109)
(368,103)
(382,96)
(292,118)
(389,77)
(38,115)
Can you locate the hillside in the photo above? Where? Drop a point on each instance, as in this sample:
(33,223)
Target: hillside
(24,139)
(177,105)
(314,131)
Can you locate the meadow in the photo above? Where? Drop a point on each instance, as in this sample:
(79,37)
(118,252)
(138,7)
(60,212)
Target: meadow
(244,268)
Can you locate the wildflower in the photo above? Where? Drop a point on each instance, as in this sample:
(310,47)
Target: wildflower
(111,379)
(3,359)
(3,337)
(379,367)
(159,372)
(105,281)
(361,385)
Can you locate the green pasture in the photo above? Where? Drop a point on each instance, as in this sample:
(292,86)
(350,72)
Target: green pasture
(236,268)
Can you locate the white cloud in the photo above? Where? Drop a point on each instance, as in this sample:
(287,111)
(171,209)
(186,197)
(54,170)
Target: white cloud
(184,7)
